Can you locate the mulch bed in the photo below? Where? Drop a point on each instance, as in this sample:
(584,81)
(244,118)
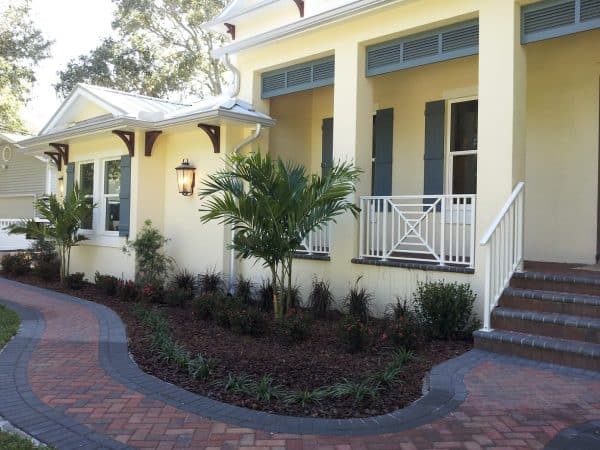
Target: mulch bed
(321,360)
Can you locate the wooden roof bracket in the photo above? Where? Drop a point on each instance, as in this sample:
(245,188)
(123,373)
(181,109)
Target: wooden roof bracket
(214,133)
(60,156)
(231,30)
(150,139)
(300,5)
(128,137)
(56,157)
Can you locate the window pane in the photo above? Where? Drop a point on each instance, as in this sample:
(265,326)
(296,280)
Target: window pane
(112,214)
(464,177)
(464,126)
(86,178)
(87,221)
(112,177)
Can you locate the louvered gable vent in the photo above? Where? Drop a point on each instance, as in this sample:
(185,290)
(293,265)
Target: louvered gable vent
(552,18)
(425,48)
(298,78)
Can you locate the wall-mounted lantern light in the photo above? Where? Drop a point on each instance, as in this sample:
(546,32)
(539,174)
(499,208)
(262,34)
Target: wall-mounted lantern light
(186,177)
(61,186)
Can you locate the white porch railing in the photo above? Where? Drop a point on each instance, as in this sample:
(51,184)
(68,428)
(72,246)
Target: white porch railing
(11,241)
(504,242)
(317,242)
(427,228)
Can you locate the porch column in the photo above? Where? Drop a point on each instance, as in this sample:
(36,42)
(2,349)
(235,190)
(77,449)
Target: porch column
(502,108)
(352,135)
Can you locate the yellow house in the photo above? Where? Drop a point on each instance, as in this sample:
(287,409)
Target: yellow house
(475,122)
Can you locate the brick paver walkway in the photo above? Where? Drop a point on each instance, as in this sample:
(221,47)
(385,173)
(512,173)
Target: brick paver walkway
(66,379)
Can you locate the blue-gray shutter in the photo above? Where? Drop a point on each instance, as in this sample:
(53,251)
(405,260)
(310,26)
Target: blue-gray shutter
(552,18)
(70,171)
(433,177)
(441,44)
(327,146)
(383,155)
(299,77)
(125,196)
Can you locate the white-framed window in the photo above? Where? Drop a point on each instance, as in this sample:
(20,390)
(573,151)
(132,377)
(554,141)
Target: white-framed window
(461,146)
(99,181)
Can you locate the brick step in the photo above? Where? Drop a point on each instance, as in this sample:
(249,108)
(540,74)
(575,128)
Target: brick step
(575,284)
(551,302)
(562,326)
(565,352)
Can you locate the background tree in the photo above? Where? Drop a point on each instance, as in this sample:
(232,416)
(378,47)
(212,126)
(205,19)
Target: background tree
(22,47)
(64,221)
(160,51)
(272,205)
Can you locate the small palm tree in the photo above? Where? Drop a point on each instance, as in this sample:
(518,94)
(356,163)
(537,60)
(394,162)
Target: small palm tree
(64,221)
(272,205)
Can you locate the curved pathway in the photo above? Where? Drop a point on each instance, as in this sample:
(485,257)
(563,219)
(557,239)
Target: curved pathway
(67,379)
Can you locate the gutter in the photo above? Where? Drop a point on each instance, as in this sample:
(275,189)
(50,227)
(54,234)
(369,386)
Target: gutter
(302,25)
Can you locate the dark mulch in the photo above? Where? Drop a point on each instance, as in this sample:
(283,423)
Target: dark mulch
(319,361)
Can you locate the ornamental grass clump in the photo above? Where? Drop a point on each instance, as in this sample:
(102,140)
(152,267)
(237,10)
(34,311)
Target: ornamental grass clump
(107,284)
(212,282)
(320,299)
(358,302)
(402,325)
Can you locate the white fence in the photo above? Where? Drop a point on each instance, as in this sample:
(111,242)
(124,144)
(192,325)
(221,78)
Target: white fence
(11,241)
(427,228)
(317,242)
(504,241)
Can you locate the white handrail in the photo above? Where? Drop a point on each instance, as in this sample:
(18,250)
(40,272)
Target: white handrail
(517,190)
(504,242)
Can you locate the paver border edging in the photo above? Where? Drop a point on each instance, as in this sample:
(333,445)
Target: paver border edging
(22,408)
(446,386)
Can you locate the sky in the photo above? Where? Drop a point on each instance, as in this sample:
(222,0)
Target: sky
(76,26)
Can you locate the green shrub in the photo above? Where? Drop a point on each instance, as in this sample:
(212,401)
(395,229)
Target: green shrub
(306,397)
(247,321)
(128,291)
(402,325)
(75,281)
(107,284)
(296,327)
(355,333)
(445,309)
(152,262)
(200,368)
(320,299)
(243,291)
(152,293)
(48,270)
(224,311)
(358,302)
(46,263)
(212,282)
(357,391)
(238,384)
(205,306)
(177,296)
(173,353)
(265,391)
(16,264)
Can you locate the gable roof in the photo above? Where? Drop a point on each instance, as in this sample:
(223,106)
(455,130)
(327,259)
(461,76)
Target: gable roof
(237,8)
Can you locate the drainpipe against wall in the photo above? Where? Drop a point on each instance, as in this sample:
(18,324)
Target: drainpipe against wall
(235,90)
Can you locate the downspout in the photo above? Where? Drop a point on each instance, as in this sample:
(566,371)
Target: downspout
(235,91)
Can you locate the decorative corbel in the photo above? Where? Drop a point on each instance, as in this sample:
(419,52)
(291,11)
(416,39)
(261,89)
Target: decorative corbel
(300,5)
(56,157)
(150,139)
(231,30)
(214,133)
(128,137)
(60,156)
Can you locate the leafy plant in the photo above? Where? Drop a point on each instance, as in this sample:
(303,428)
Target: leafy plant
(401,357)
(106,284)
(212,282)
(306,397)
(387,376)
(75,281)
(206,306)
(295,326)
(173,353)
(355,333)
(238,384)
(200,368)
(152,262)
(64,221)
(402,325)
(44,258)
(272,205)
(265,296)
(185,281)
(358,302)
(357,391)
(152,293)
(265,390)
(176,296)
(243,291)
(320,299)
(128,291)
(247,321)
(16,264)
(446,309)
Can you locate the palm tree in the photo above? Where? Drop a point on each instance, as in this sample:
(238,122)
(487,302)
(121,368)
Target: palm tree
(272,205)
(62,230)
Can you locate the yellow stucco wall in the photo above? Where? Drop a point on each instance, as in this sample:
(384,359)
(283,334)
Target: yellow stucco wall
(562,148)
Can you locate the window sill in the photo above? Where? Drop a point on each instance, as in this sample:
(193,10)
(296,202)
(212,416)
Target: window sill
(413,265)
(313,257)
(98,240)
